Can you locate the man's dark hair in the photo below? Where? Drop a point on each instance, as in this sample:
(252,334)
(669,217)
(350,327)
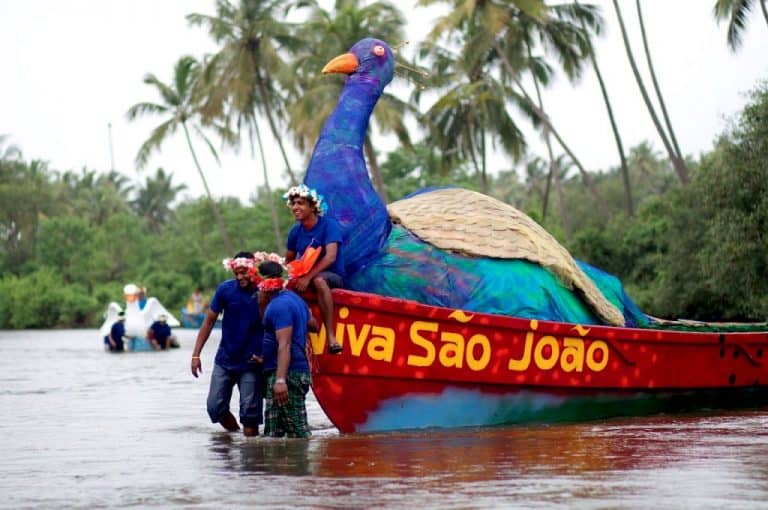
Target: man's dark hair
(270,269)
(243,255)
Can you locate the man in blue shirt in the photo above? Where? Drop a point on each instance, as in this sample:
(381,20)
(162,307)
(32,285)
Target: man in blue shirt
(286,368)
(313,230)
(114,340)
(159,334)
(238,359)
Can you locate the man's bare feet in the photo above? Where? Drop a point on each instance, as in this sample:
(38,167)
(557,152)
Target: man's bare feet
(250,431)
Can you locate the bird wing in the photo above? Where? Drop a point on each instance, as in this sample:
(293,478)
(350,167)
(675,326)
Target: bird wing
(473,224)
(153,308)
(110,317)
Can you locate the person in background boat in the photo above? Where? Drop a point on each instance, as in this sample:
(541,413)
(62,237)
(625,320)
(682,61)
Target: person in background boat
(196,303)
(114,341)
(313,230)
(287,320)
(159,334)
(238,359)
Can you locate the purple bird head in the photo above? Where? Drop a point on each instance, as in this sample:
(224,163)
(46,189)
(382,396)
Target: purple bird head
(368,60)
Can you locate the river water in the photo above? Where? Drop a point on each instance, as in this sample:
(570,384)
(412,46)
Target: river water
(82,428)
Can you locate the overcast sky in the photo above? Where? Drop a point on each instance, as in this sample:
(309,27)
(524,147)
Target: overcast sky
(72,67)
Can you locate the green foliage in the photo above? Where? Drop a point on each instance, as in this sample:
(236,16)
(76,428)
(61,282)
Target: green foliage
(70,241)
(170,287)
(730,196)
(25,195)
(42,300)
(406,171)
(65,244)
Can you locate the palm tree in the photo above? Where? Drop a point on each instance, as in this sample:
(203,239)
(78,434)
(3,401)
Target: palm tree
(628,202)
(10,151)
(330,33)
(536,176)
(470,112)
(251,34)
(26,198)
(98,195)
(655,82)
(153,199)
(179,106)
(559,35)
(494,31)
(736,11)
(240,79)
(677,161)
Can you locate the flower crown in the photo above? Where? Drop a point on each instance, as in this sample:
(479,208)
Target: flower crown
(271,284)
(258,258)
(304,191)
(253,264)
(238,262)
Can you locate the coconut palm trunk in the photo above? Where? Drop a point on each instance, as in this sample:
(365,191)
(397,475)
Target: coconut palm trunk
(483,160)
(559,175)
(270,118)
(272,209)
(765,10)
(655,82)
(677,163)
(547,140)
(214,205)
(544,118)
(617,137)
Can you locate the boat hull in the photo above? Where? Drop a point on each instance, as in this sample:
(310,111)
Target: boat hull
(407,365)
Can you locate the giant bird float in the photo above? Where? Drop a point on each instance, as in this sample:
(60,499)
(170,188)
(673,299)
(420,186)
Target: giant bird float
(461,311)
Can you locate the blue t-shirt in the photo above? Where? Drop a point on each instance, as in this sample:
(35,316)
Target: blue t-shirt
(325,231)
(241,329)
(286,309)
(161,330)
(117,332)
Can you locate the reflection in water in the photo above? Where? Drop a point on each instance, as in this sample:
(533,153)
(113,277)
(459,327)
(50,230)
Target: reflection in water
(491,454)
(131,431)
(287,457)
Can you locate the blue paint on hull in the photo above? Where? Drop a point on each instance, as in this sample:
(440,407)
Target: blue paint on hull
(460,407)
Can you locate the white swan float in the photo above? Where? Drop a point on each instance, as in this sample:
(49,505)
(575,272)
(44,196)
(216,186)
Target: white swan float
(137,319)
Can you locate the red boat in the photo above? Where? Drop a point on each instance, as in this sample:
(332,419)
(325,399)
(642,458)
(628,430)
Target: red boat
(406,365)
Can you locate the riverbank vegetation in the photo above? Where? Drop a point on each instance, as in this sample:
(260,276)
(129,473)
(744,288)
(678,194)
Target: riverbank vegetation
(687,235)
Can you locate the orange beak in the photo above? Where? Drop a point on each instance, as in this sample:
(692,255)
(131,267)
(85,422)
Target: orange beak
(346,63)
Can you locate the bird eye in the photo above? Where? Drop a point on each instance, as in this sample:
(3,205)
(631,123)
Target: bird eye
(378,50)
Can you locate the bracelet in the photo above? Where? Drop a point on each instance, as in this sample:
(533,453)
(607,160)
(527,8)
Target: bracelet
(195,357)
(281,380)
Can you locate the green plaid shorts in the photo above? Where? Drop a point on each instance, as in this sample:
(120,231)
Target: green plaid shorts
(291,419)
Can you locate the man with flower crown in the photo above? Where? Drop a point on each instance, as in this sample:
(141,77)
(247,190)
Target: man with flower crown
(313,231)
(287,320)
(238,358)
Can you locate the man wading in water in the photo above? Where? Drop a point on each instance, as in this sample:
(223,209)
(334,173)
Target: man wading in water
(238,360)
(286,367)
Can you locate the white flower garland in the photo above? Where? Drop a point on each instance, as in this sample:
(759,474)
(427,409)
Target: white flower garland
(304,191)
(258,258)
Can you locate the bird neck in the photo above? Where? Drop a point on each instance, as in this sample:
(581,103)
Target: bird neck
(348,123)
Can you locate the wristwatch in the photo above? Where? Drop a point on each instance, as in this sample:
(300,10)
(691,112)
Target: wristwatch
(278,381)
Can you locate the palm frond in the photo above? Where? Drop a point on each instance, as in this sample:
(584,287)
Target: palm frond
(153,143)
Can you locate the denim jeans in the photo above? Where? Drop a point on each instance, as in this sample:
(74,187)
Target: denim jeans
(250,386)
